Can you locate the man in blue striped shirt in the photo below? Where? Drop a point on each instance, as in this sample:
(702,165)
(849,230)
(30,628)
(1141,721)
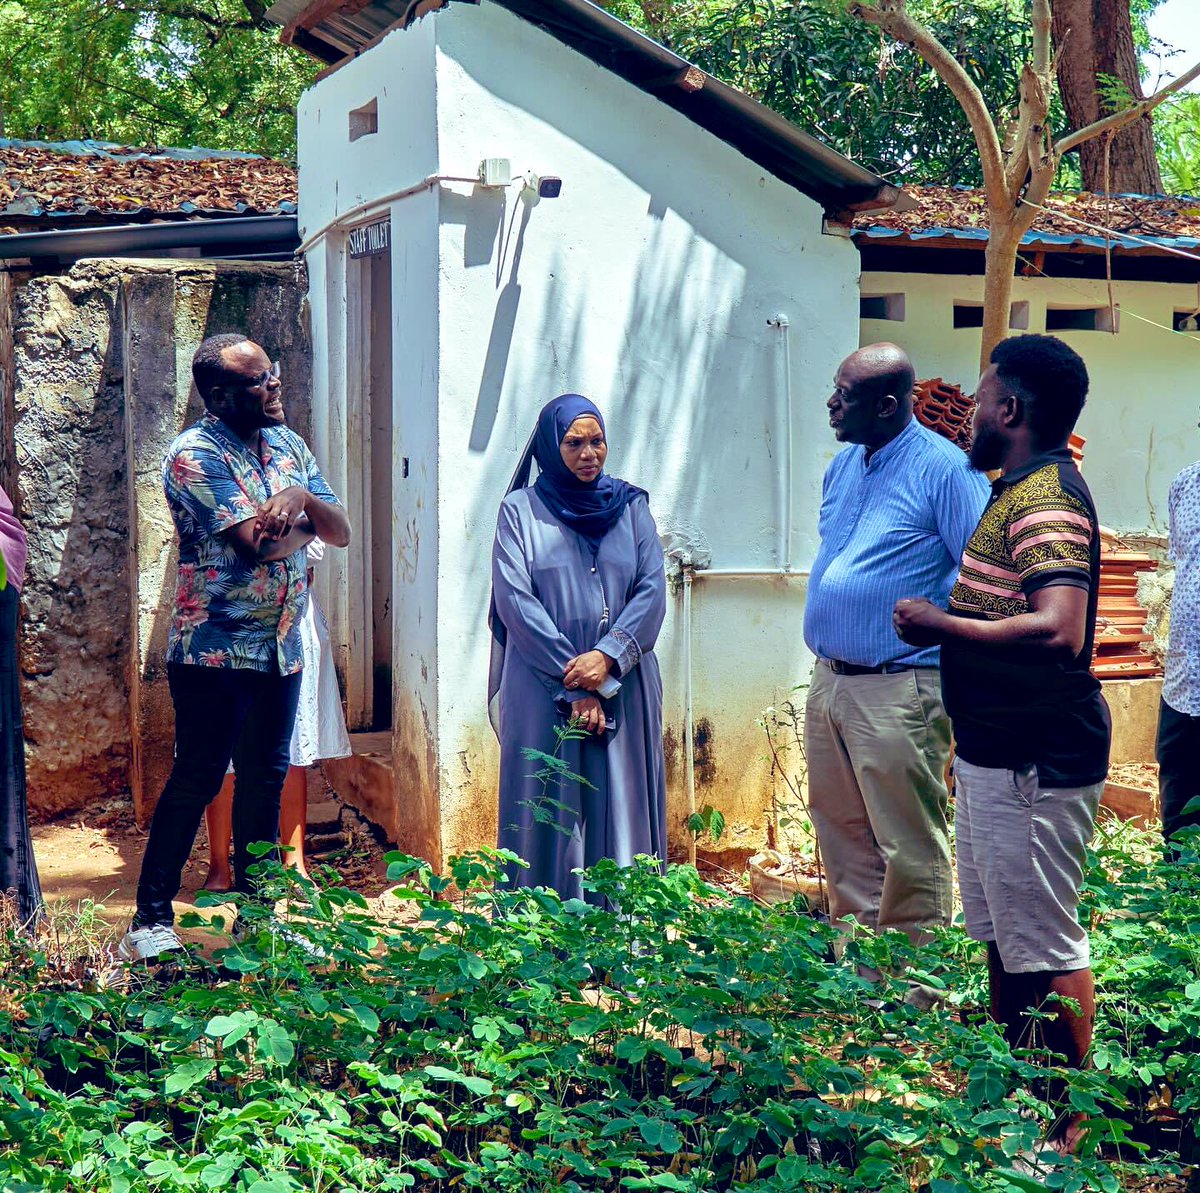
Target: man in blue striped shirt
(897,509)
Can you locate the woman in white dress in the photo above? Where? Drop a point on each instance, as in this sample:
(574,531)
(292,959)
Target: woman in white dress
(320,732)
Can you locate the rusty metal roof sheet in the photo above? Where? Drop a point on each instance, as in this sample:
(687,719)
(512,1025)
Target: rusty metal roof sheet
(945,215)
(42,180)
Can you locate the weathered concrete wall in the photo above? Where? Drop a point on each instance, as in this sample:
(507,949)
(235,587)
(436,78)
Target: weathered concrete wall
(68,429)
(8,464)
(101,383)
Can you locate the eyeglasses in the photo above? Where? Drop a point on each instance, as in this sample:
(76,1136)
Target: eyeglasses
(264,378)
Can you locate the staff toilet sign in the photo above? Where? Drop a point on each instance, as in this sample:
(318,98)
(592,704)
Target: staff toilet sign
(371,239)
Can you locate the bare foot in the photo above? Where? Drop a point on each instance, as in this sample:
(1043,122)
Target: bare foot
(219,882)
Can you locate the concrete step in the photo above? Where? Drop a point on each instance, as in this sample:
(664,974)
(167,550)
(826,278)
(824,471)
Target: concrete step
(365,782)
(321,843)
(325,816)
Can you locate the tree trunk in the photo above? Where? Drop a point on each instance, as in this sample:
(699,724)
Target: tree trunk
(1094,38)
(1004,239)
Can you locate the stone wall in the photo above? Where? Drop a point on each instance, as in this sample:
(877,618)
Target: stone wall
(101,383)
(68,417)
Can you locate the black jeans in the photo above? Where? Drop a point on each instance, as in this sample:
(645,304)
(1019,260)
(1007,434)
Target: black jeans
(220,713)
(18,870)
(1179,768)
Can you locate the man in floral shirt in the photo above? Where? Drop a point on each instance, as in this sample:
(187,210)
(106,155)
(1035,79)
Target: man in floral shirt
(246,497)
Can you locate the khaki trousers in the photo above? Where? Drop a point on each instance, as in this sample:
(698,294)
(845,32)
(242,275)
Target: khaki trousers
(877,749)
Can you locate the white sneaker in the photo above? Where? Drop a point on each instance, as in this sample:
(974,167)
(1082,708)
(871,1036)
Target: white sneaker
(280,930)
(146,944)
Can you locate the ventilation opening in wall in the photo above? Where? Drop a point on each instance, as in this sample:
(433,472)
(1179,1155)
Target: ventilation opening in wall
(970,314)
(882,306)
(364,120)
(1081,319)
(1185,320)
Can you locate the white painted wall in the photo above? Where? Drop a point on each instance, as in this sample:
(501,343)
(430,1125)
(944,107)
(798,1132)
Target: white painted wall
(648,286)
(337,178)
(337,174)
(1142,410)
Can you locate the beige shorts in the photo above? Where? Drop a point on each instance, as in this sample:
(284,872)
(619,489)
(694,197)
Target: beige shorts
(1021,850)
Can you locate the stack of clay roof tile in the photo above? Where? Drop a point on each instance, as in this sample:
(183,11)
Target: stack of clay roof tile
(1121,638)
(944,408)
(1120,650)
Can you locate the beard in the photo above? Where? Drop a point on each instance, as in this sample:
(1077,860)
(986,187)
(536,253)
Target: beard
(987,450)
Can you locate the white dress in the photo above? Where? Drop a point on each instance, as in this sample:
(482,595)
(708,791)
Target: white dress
(320,730)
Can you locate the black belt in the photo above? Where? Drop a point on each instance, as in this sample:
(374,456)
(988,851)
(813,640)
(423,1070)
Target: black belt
(840,668)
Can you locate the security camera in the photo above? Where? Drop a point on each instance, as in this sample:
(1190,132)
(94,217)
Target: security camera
(539,187)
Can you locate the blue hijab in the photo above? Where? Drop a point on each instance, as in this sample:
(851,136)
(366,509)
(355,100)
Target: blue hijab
(590,508)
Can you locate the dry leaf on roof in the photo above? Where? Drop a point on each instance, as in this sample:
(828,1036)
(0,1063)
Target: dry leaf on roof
(59,181)
(950,207)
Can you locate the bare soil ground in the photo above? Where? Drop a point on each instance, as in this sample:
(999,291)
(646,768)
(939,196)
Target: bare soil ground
(97,855)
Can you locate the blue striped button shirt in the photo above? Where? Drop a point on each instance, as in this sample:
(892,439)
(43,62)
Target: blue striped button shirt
(892,526)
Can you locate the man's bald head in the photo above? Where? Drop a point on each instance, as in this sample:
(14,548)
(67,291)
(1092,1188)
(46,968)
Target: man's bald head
(886,369)
(872,398)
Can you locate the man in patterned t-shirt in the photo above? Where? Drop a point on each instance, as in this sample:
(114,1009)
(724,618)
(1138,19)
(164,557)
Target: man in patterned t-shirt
(1031,726)
(246,497)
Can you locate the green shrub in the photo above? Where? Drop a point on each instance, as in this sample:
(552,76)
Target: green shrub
(504,1040)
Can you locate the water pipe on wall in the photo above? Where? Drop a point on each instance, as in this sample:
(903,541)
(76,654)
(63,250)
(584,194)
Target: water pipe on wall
(689,749)
(782,570)
(783,553)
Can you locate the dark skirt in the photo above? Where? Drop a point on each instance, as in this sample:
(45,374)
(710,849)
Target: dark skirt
(18,869)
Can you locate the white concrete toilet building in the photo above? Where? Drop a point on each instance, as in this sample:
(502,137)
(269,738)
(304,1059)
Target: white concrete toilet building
(504,201)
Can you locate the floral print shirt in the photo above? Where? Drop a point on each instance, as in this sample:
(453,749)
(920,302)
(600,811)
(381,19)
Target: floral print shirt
(231,610)
(1181,675)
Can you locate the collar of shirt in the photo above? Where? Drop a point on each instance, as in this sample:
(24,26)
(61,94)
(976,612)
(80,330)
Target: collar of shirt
(881,455)
(1058,455)
(222,431)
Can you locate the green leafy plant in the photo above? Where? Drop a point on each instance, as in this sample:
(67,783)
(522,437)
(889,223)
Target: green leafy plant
(461,1034)
(553,772)
(708,822)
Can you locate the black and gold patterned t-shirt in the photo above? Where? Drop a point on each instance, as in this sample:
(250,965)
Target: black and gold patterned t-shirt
(1013,708)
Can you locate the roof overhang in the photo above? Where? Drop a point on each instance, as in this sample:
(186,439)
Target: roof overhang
(961,251)
(263,237)
(337,30)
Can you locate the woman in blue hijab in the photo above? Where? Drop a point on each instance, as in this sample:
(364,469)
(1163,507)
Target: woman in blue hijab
(578,598)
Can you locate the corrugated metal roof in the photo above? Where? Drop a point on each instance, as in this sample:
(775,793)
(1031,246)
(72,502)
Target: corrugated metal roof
(1138,223)
(1043,240)
(334,30)
(46,180)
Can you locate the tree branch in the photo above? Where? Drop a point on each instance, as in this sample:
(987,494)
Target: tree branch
(1040,21)
(1118,120)
(892,17)
(189,12)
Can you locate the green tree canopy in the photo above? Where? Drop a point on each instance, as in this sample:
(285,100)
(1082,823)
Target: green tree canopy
(875,101)
(150,72)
